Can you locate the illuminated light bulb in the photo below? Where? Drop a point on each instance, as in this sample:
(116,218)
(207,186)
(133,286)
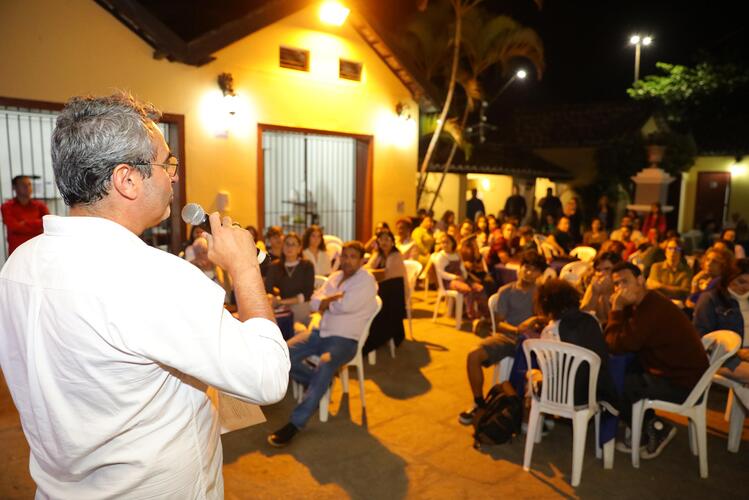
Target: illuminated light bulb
(333,13)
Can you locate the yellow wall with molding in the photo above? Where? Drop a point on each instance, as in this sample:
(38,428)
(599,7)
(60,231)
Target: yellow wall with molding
(739,190)
(54,49)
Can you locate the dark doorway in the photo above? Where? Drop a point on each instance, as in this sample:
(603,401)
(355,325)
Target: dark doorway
(711,203)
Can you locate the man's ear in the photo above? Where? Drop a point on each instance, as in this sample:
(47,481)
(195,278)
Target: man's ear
(126,181)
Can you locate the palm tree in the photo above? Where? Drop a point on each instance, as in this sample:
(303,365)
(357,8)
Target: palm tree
(488,42)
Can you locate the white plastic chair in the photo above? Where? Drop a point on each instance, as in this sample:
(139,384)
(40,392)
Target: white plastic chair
(721,345)
(586,254)
(548,274)
(357,361)
(449,295)
(334,250)
(572,272)
(559,363)
(735,409)
(320,280)
(502,369)
(424,277)
(413,269)
(330,238)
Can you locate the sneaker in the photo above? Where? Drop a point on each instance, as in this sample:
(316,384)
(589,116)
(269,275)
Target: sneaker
(283,436)
(659,433)
(466,417)
(624,444)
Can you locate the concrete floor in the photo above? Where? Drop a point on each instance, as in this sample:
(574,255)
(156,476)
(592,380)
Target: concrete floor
(410,444)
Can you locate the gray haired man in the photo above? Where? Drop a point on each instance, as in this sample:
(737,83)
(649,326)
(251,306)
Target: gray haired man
(108,344)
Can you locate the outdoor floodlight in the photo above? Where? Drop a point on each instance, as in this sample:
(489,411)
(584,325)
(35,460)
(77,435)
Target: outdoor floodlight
(521,73)
(333,13)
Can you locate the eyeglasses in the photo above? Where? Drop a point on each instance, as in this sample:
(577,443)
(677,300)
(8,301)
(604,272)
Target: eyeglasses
(673,249)
(171,166)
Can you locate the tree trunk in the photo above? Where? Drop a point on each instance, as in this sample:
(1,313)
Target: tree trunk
(449,160)
(446,107)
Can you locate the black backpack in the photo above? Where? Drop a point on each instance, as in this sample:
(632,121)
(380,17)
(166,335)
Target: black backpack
(500,418)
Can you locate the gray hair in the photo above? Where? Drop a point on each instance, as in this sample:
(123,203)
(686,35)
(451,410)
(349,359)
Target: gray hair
(95,134)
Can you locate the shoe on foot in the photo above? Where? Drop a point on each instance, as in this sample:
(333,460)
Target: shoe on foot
(659,433)
(283,436)
(624,444)
(466,417)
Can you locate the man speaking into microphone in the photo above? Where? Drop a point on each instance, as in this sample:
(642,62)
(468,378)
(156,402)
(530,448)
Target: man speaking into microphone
(108,344)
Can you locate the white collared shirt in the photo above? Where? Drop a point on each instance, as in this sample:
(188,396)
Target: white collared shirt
(98,333)
(348,316)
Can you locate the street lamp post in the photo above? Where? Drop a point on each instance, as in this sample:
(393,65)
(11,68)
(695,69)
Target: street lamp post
(638,42)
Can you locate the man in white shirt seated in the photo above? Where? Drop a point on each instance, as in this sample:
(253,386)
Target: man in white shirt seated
(635,234)
(108,345)
(346,302)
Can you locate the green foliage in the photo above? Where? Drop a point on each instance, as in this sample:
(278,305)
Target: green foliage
(689,94)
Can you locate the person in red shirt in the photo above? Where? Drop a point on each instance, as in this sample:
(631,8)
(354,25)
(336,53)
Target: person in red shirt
(22,215)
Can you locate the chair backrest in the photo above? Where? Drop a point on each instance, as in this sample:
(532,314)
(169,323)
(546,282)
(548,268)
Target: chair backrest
(559,363)
(365,333)
(433,263)
(573,271)
(320,280)
(584,253)
(492,307)
(413,269)
(720,345)
(549,274)
(330,238)
(333,250)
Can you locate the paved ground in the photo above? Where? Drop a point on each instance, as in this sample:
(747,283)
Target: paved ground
(409,444)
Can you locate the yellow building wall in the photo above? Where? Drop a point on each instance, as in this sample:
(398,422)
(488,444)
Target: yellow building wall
(580,162)
(739,191)
(51,50)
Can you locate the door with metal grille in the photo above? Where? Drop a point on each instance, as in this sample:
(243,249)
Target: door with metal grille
(25,139)
(310,179)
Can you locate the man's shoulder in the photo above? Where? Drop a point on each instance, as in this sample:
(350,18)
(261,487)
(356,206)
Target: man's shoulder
(512,288)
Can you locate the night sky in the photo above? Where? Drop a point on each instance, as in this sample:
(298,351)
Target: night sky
(588,56)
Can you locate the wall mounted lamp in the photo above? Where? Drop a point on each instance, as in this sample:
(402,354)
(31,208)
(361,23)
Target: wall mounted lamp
(226,84)
(403,111)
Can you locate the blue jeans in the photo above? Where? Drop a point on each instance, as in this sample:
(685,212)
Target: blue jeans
(317,379)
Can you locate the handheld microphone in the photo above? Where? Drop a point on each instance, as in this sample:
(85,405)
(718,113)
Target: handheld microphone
(193,214)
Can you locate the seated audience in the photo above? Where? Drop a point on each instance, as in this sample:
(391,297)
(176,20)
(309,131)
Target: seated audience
(452,272)
(572,212)
(482,231)
(371,245)
(634,235)
(562,239)
(655,219)
(625,236)
(403,239)
(559,302)
(503,245)
(256,237)
(189,252)
(475,264)
(315,251)
(714,264)
(212,271)
(445,221)
(346,302)
(596,235)
(598,291)
(729,236)
(386,262)
(290,279)
(274,242)
(492,223)
(525,239)
(668,349)
(423,240)
(672,277)
(466,230)
(386,265)
(726,307)
(548,225)
(514,316)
